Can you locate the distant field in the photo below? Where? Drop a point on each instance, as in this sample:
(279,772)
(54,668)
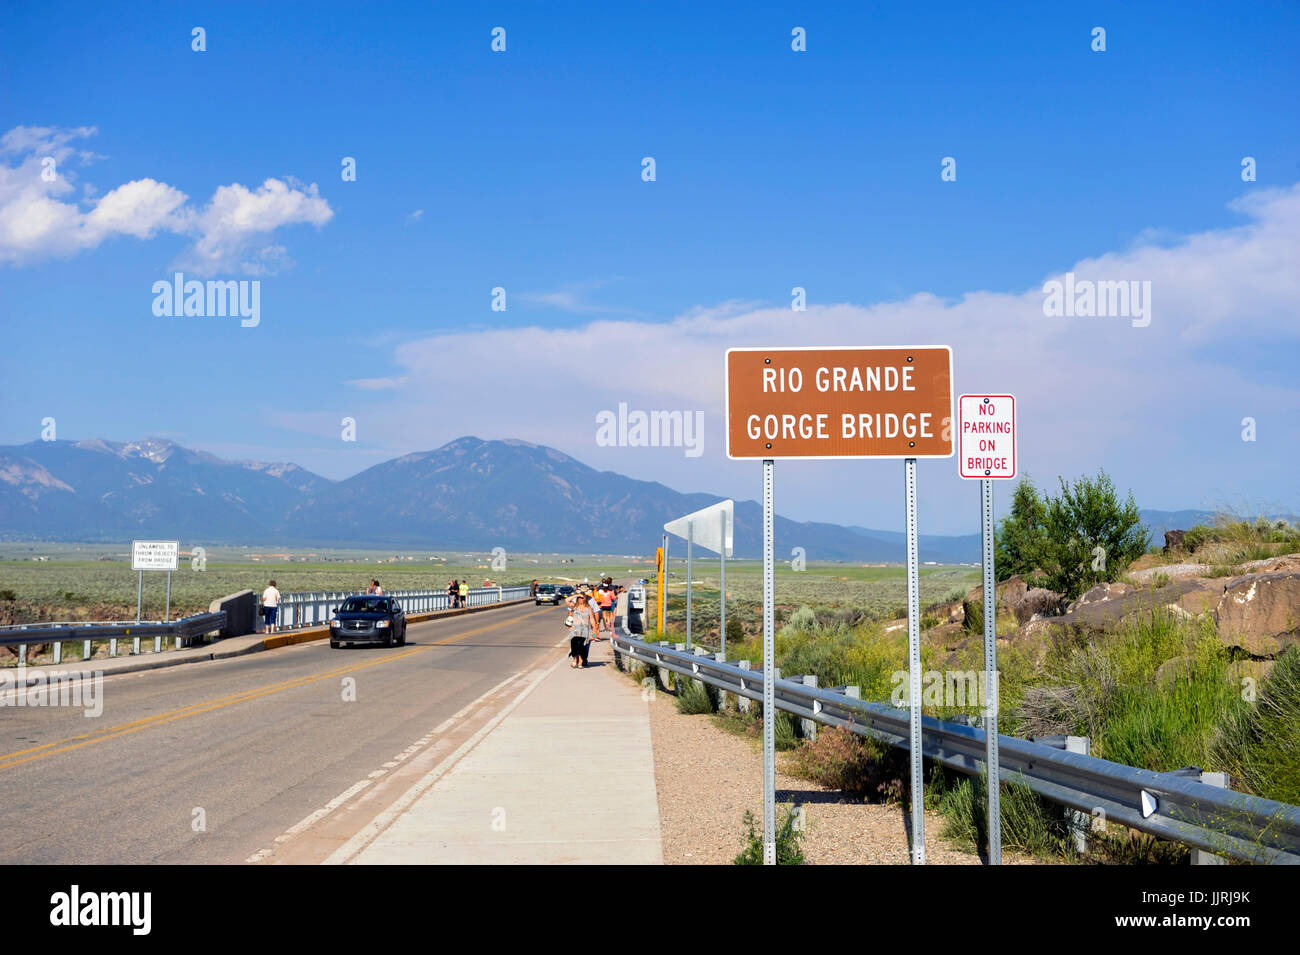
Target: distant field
(879,592)
(76,584)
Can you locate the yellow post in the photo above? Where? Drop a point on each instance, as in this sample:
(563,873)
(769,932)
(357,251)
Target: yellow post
(659,573)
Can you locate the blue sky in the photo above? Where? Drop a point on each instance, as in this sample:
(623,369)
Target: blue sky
(522,170)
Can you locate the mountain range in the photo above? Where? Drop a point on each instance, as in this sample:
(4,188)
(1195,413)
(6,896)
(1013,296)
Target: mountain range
(469,494)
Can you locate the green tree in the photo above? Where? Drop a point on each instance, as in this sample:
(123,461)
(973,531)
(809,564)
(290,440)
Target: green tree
(1089,537)
(1018,544)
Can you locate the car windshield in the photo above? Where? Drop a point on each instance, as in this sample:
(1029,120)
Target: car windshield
(566,590)
(546,589)
(370,604)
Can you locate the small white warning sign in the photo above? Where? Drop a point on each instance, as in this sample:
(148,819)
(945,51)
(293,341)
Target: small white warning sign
(987,436)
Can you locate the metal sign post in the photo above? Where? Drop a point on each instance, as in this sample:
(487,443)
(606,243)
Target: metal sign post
(769,683)
(167,613)
(914,671)
(722,587)
(701,527)
(663,590)
(992,775)
(987,428)
(139,593)
(690,570)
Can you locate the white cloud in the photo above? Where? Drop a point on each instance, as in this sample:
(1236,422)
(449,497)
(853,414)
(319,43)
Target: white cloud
(1159,406)
(38,219)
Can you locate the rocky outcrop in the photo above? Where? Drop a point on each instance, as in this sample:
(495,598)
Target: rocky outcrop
(1174,541)
(1260,613)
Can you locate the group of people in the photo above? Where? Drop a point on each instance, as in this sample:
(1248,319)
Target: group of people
(591,610)
(374,588)
(457,593)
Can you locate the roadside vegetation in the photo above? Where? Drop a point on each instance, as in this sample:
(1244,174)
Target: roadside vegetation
(1158,689)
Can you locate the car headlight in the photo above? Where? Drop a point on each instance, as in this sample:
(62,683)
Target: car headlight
(383,623)
(335,623)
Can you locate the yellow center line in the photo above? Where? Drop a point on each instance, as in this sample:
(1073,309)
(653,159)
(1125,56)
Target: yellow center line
(87,739)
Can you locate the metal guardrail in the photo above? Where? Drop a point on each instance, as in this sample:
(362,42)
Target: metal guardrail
(25,635)
(314,609)
(1164,804)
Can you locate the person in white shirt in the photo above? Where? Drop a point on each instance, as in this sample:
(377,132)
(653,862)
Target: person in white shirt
(270,606)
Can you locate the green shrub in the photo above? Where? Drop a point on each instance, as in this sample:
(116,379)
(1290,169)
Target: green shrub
(974,622)
(1019,539)
(788,850)
(735,630)
(8,594)
(1088,515)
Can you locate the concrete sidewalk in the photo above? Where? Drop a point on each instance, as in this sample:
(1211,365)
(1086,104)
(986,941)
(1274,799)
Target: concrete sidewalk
(565,776)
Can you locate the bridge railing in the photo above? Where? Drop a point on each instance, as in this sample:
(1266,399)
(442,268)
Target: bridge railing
(1168,805)
(314,608)
(25,635)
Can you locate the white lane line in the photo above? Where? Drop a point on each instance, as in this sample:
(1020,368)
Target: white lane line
(371,831)
(312,818)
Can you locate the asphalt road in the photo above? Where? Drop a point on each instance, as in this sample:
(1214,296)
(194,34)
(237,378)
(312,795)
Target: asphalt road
(248,747)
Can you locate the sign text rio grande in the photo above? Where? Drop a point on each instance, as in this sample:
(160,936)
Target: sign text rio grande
(839,402)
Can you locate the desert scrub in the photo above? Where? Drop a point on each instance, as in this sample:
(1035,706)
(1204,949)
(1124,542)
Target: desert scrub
(788,834)
(1116,689)
(1029,823)
(693,696)
(1259,744)
(859,766)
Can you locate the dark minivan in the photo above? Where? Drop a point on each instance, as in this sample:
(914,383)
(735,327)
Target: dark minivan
(369,619)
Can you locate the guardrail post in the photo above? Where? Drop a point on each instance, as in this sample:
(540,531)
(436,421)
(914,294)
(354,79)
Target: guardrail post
(742,702)
(22,654)
(807,727)
(85,650)
(135,646)
(1200,856)
(722,694)
(58,651)
(662,674)
(112,646)
(1080,822)
(157,644)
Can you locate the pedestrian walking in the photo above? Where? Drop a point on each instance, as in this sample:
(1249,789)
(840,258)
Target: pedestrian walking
(584,627)
(605,598)
(270,607)
(453,593)
(464,592)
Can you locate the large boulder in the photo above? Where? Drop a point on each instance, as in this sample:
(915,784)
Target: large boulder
(1260,613)
(1174,541)
(1037,602)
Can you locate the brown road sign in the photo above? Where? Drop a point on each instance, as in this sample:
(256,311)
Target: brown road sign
(840,402)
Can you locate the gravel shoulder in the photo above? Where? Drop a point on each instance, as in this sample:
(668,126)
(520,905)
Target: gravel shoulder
(707,777)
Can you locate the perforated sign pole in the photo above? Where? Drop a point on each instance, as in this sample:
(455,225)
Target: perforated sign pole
(914,671)
(690,568)
(722,612)
(663,588)
(992,776)
(769,684)
(987,427)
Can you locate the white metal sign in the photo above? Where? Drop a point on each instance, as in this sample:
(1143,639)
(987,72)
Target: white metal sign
(705,527)
(987,436)
(155,555)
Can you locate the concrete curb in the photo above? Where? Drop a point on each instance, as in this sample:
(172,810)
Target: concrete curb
(172,658)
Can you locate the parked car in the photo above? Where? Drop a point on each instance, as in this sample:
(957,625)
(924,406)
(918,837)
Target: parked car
(566,591)
(369,618)
(547,594)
